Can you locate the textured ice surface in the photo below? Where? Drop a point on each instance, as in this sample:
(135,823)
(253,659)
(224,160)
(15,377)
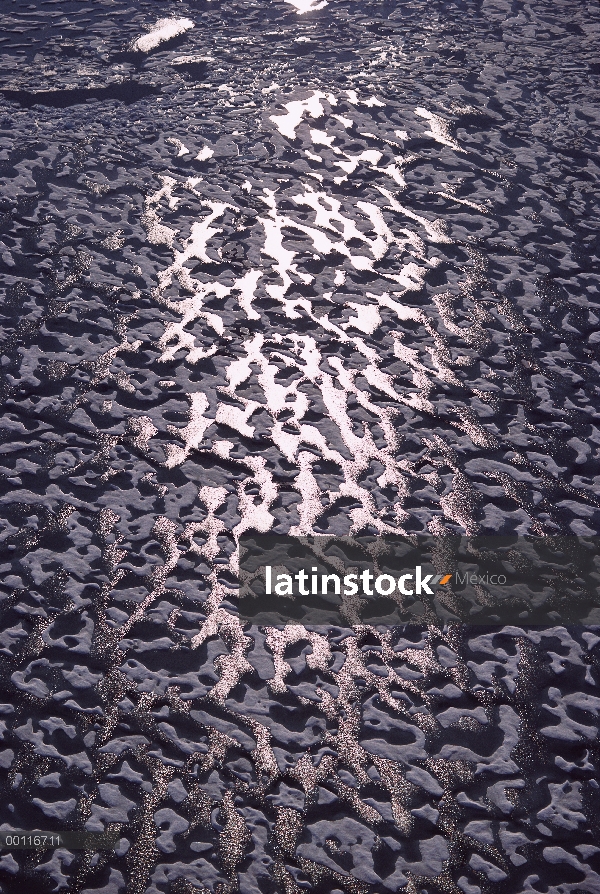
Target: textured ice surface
(321,273)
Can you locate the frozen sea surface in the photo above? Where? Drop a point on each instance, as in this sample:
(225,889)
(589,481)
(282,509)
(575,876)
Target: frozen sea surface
(293,267)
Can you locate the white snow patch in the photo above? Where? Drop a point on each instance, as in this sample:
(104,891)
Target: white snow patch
(192,434)
(191,59)
(183,149)
(192,182)
(163,30)
(346,122)
(158,233)
(247,287)
(322,138)
(304,6)
(434,228)
(450,194)
(371,156)
(204,154)
(287,124)
(438,129)
(367,317)
(396,174)
(370,101)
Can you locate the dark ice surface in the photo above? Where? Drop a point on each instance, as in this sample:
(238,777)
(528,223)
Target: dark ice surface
(300,268)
